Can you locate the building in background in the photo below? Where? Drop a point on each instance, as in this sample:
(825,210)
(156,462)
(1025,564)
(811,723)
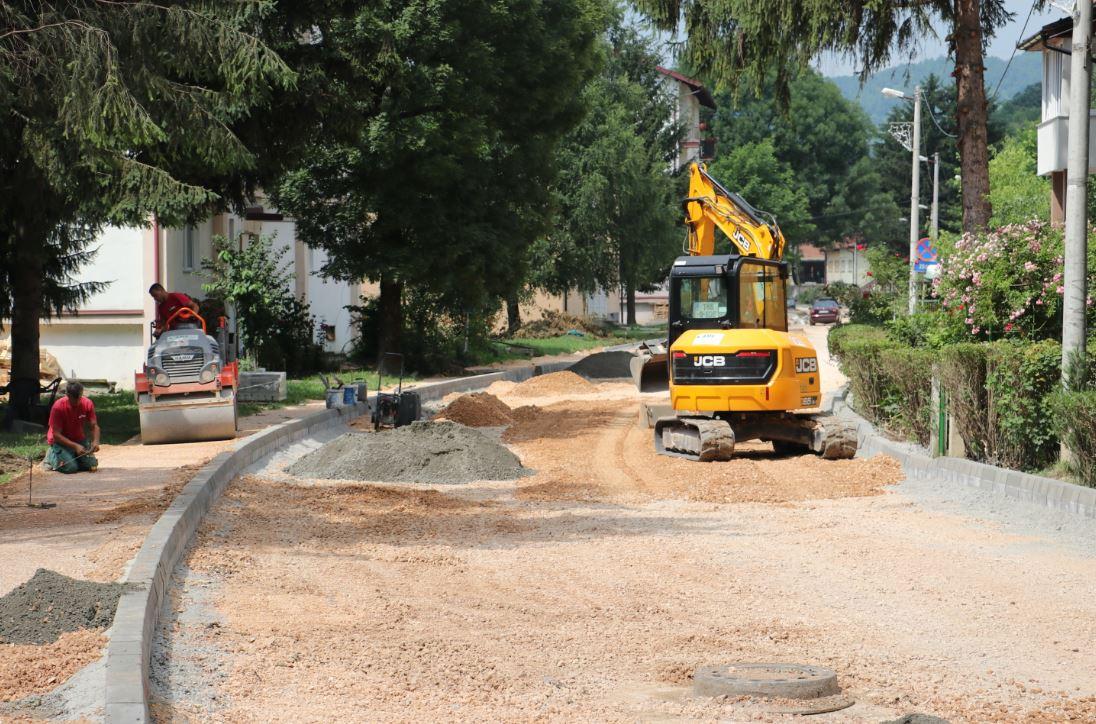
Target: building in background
(811,264)
(695,144)
(846,263)
(1054,41)
(106,338)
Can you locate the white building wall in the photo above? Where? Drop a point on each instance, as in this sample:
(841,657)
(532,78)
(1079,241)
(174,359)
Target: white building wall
(110,351)
(118,261)
(328,300)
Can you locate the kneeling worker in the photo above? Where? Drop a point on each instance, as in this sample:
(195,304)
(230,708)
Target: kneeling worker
(69,451)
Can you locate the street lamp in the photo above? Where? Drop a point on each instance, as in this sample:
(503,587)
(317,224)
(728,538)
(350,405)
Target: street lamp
(915,184)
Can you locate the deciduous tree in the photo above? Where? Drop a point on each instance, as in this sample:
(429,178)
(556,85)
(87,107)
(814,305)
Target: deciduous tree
(729,38)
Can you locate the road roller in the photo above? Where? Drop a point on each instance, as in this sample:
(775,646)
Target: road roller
(187,392)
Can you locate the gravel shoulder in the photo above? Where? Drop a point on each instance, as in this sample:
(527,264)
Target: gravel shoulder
(592,588)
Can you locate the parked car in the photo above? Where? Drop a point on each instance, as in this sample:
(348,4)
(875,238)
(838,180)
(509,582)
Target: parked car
(825,311)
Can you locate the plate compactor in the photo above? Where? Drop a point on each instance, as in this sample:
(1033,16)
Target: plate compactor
(395,409)
(187,392)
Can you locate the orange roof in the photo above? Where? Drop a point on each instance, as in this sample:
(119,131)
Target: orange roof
(810,252)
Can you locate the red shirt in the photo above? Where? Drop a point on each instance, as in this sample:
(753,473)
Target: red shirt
(172,304)
(69,419)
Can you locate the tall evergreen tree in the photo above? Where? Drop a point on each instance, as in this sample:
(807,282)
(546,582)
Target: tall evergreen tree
(112,111)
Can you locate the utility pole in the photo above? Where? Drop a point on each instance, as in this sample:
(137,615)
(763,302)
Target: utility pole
(915,189)
(936,196)
(1076,243)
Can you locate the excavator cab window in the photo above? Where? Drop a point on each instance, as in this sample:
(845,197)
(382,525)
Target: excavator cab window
(761,297)
(701,298)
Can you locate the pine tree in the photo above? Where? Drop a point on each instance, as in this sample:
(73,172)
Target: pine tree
(113,111)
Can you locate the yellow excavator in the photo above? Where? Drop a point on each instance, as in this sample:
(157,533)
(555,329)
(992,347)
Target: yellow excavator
(733,370)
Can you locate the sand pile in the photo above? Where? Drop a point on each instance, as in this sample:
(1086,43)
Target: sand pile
(604,365)
(422,452)
(480,409)
(49,604)
(556,383)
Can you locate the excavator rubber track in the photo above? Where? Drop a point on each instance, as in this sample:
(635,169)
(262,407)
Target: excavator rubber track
(705,439)
(712,439)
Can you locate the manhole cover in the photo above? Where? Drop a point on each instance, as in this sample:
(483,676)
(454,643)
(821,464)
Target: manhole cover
(784,681)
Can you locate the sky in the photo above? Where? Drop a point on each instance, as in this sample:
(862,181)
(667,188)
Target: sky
(1001,45)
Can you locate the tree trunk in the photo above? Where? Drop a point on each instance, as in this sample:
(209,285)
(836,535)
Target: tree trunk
(26,293)
(513,314)
(390,329)
(630,294)
(972,114)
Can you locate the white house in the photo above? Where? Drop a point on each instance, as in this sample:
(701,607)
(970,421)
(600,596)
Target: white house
(107,337)
(847,264)
(1055,41)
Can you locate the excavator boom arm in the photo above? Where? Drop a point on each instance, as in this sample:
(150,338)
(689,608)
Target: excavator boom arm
(710,206)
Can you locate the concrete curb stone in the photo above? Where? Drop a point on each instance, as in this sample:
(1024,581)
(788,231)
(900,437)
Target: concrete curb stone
(1002,482)
(129,649)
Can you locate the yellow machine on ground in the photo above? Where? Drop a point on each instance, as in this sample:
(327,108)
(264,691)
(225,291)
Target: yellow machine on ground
(733,370)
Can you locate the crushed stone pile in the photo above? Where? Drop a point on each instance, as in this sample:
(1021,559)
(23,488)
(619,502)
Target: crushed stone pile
(604,365)
(553,324)
(49,604)
(556,383)
(422,452)
(479,409)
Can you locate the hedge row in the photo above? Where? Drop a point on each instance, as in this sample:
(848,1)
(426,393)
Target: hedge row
(1005,397)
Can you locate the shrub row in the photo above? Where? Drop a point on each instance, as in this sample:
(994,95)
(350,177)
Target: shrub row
(1002,395)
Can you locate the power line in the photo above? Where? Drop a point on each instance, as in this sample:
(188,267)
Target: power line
(1016,47)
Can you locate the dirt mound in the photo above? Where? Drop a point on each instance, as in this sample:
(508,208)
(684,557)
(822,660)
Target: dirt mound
(556,383)
(479,409)
(422,452)
(49,604)
(553,324)
(604,365)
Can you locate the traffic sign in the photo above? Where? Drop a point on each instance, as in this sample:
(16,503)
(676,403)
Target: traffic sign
(926,251)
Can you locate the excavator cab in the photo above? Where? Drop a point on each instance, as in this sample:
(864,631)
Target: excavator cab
(719,292)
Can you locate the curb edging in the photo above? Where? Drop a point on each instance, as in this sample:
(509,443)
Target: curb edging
(1003,482)
(129,650)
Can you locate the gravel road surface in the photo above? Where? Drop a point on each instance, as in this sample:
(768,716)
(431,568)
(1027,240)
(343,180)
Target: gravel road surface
(591,589)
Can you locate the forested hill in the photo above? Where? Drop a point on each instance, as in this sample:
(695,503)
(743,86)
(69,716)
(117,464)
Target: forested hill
(1026,69)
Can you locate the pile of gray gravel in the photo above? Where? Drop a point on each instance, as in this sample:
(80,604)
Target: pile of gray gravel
(49,604)
(422,452)
(604,365)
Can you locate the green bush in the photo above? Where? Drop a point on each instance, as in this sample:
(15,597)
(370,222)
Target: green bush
(907,374)
(1075,418)
(851,332)
(1020,379)
(277,329)
(962,370)
(872,392)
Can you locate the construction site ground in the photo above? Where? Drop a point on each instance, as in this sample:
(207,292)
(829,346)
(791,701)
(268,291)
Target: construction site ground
(591,588)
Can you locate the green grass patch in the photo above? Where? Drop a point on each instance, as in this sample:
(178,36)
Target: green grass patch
(118,422)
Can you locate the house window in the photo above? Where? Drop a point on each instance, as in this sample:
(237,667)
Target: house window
(190,248)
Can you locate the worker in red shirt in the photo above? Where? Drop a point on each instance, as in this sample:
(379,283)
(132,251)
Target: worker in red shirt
(167,304)
(69,451)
